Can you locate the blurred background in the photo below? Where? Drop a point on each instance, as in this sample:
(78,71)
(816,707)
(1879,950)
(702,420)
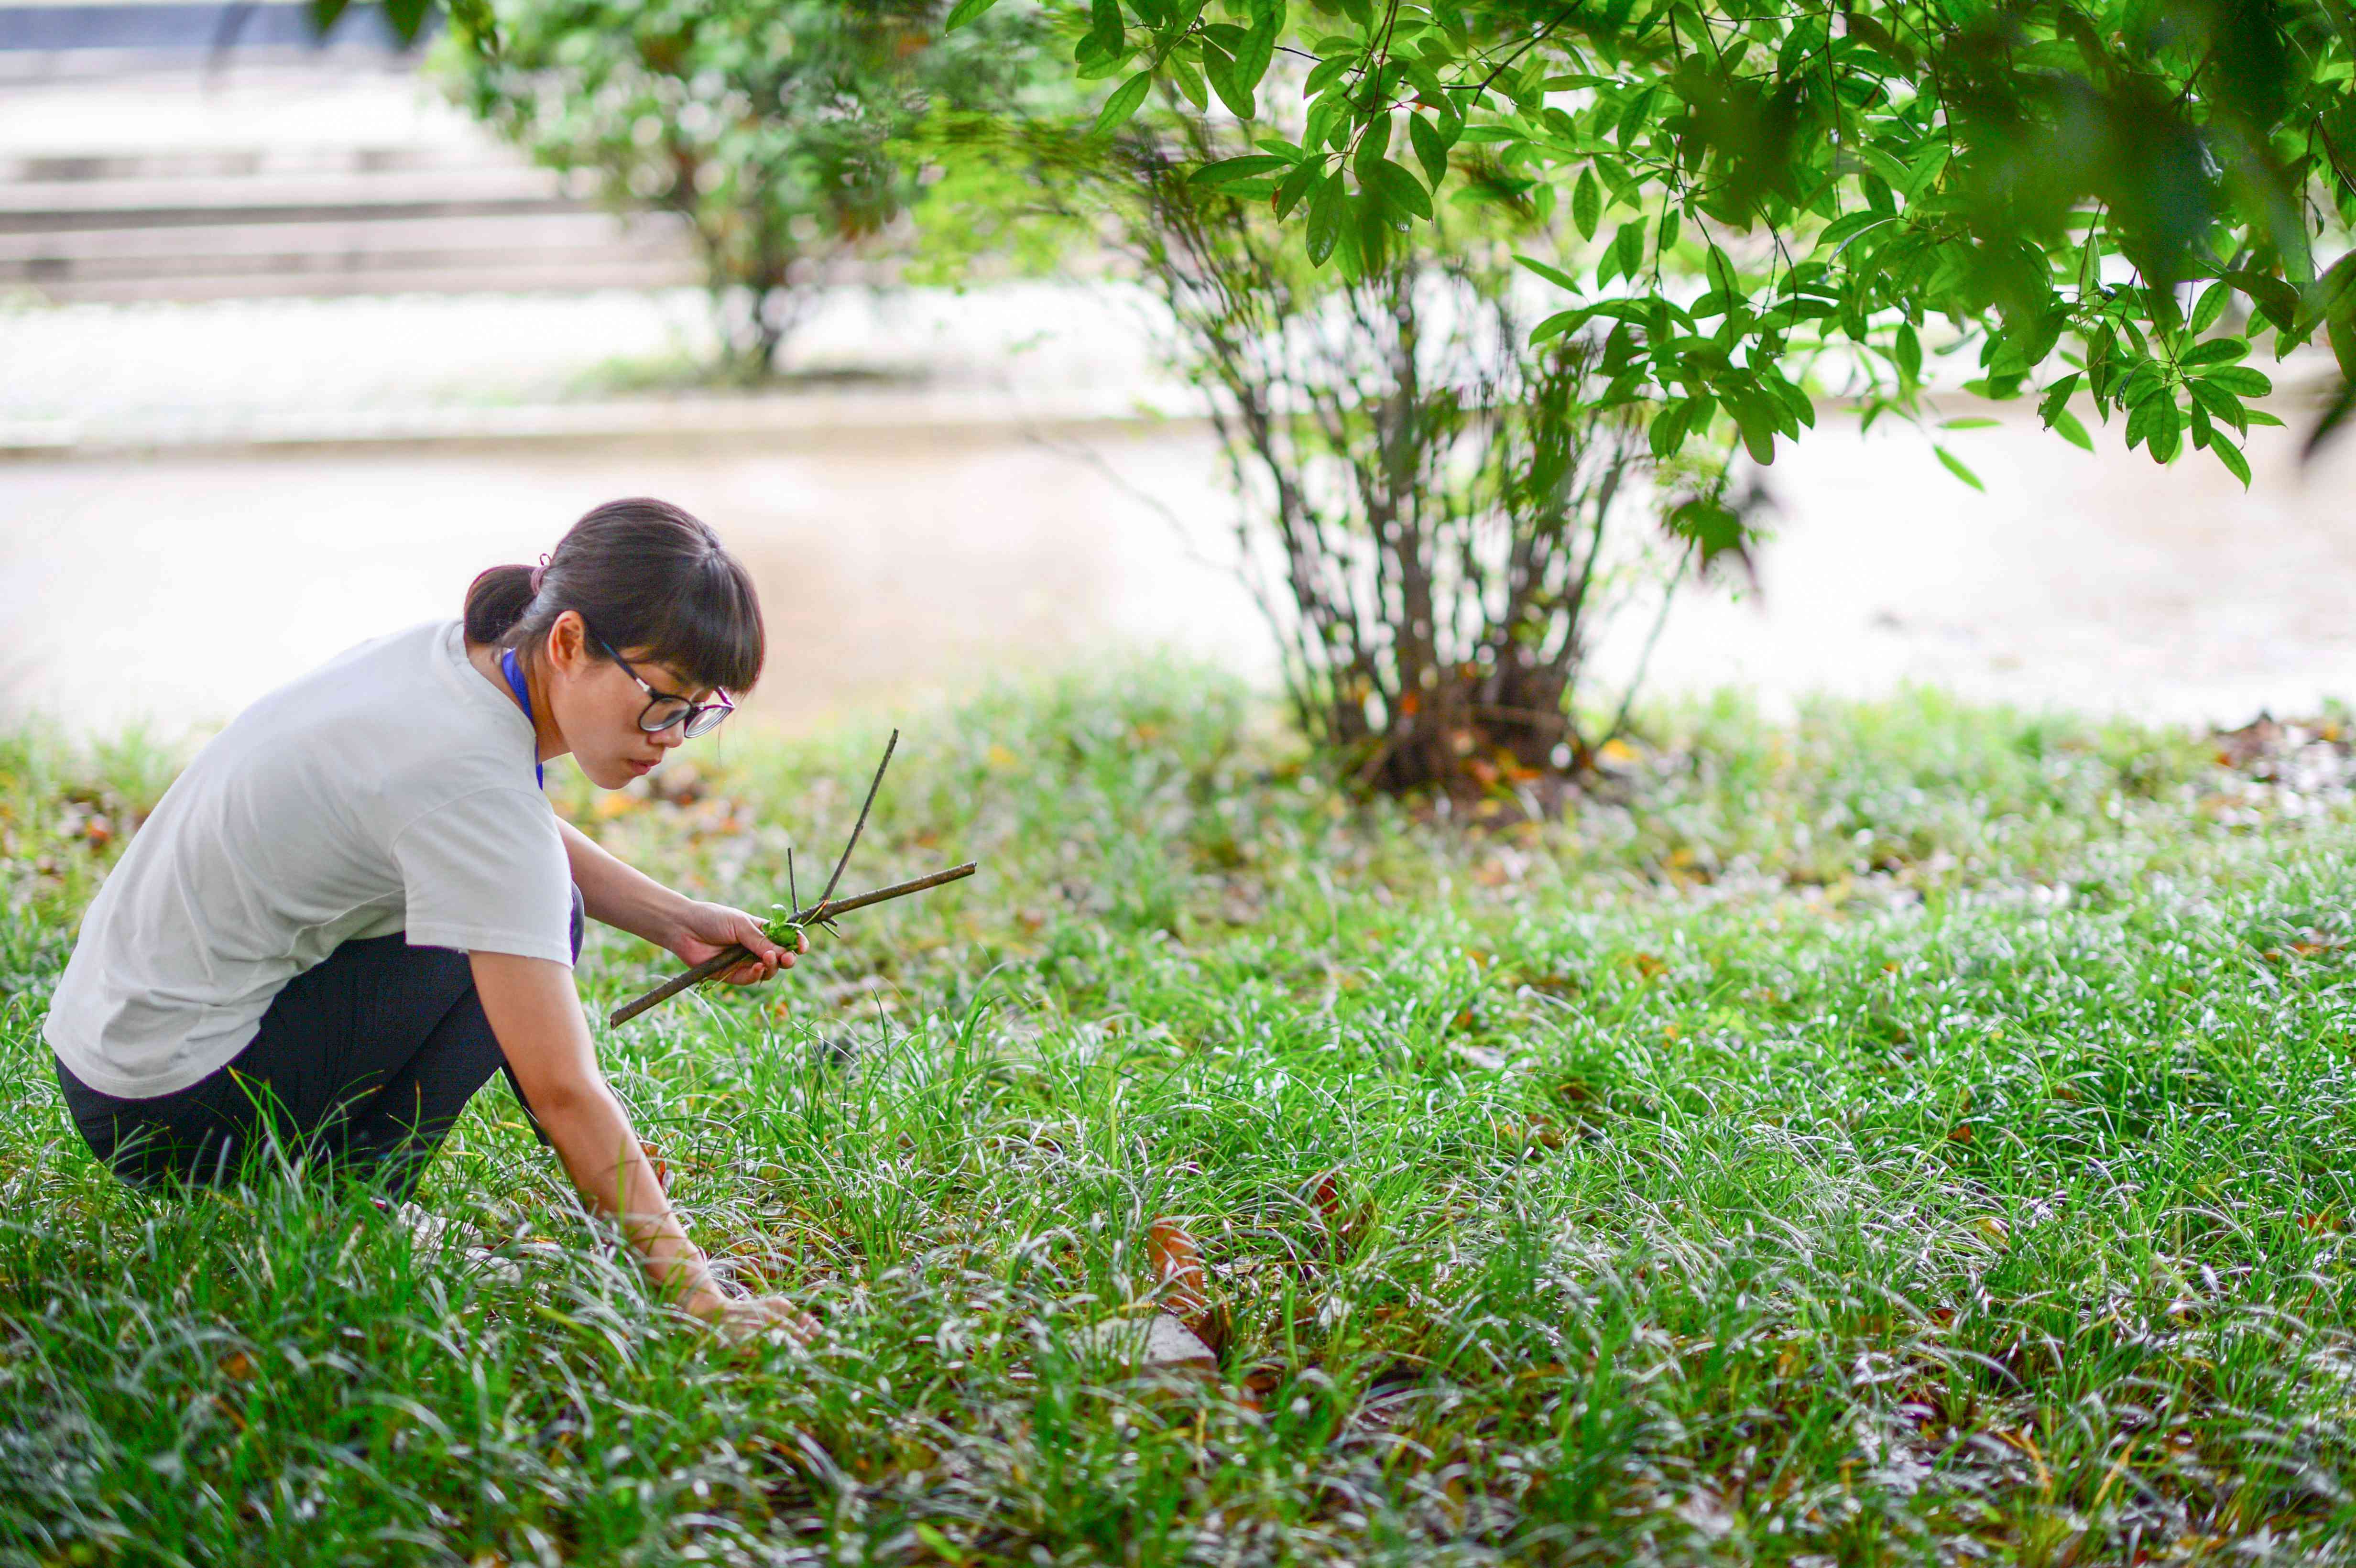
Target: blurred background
(294,346)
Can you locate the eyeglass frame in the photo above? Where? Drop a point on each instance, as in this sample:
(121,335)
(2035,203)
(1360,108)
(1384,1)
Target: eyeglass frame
(694,709)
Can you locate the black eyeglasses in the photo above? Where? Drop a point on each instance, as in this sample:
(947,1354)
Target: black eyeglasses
(665,709)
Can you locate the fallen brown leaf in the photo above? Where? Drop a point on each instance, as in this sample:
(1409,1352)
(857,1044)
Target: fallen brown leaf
(1177,1259)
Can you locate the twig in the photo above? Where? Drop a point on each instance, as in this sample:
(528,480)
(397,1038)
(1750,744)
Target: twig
(857,827)
(1644,659)
(729,958)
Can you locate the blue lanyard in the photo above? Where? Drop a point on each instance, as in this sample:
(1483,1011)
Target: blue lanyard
(515,684)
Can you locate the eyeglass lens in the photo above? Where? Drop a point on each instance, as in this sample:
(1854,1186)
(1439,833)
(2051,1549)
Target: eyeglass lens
(662,714)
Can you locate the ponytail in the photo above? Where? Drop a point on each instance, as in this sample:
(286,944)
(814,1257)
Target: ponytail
(496,601)
(644,576)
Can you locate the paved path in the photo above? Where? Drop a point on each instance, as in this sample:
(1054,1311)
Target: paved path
(182,587)
(103,378)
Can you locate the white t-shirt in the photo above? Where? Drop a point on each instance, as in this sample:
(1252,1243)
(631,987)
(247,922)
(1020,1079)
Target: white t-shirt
(390,789)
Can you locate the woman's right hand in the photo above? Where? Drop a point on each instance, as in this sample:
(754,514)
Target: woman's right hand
(739,1318)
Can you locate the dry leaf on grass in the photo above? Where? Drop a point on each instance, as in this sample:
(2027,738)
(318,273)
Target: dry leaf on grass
(1178,1273)
(1154,1341)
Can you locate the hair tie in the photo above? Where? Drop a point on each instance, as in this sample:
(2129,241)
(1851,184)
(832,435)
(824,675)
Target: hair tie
(537,573)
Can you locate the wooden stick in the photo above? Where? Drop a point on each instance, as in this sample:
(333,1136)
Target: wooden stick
(859,827)
(720,962)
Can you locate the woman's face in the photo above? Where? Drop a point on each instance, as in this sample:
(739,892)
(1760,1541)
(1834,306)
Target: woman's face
(596,705)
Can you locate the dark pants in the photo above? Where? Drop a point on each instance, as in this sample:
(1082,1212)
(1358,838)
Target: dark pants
(364,1061)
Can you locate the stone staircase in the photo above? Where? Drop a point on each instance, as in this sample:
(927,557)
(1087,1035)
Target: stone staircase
(292,180)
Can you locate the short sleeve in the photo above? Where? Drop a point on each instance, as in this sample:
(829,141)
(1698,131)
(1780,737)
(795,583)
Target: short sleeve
(487,872)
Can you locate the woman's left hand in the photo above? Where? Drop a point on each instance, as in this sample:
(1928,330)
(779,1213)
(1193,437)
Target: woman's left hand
(706,929)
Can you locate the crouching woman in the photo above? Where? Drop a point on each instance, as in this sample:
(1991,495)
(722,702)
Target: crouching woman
(356,904)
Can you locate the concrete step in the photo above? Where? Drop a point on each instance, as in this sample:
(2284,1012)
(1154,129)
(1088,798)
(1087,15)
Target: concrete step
(46,206)
(299,184)
(496,251)
(150,166)
(568,275)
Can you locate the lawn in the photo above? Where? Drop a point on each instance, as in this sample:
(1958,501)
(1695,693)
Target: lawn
(1910,1132)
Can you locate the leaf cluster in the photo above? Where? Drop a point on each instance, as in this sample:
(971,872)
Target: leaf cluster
(2119,199)
(773,127)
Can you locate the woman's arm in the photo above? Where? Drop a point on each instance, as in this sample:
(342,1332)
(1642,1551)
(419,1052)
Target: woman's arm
(535,1013)
(621,895)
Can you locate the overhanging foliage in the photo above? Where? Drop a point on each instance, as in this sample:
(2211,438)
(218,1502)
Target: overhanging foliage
(2118,199)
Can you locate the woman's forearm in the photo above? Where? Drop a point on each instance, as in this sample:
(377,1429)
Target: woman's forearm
(620,894)
(592,1136)
(535,1014)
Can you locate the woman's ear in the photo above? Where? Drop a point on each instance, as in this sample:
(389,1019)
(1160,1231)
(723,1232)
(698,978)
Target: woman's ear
(568,643)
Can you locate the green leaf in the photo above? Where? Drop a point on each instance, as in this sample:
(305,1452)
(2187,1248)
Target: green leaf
(1104,35)
(2275,299)
(1713,526)
(1123,104)
(1252,56)
(1187,77)
(1228,170)
(1554,275)
(1430,150)
(1755,422)
(1719,270)
(1373,142)
(1794,402)
(1093,63)
(1220,70)
(1667,433)
(2240,381)
(323,14)
(1628,247)
(1297,186)
(406,16)
(2231,456)
(2219,402)
(1323,74)
(1969,422)
(1327,209)
(2216,351)
(2210,305)
(2066,425)
(1841,227)
(965,11)
(1956,466)
(1557,324)
(1399,191)
(1587,202)
(1908,352)
(2057,397)
(2334,420)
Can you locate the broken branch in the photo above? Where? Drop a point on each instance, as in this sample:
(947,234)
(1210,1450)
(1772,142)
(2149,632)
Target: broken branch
(824,909)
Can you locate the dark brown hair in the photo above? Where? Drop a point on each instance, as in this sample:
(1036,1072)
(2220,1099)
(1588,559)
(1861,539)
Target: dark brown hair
(644,576)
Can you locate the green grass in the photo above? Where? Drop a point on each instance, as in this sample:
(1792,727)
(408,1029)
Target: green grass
(1910,1133)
